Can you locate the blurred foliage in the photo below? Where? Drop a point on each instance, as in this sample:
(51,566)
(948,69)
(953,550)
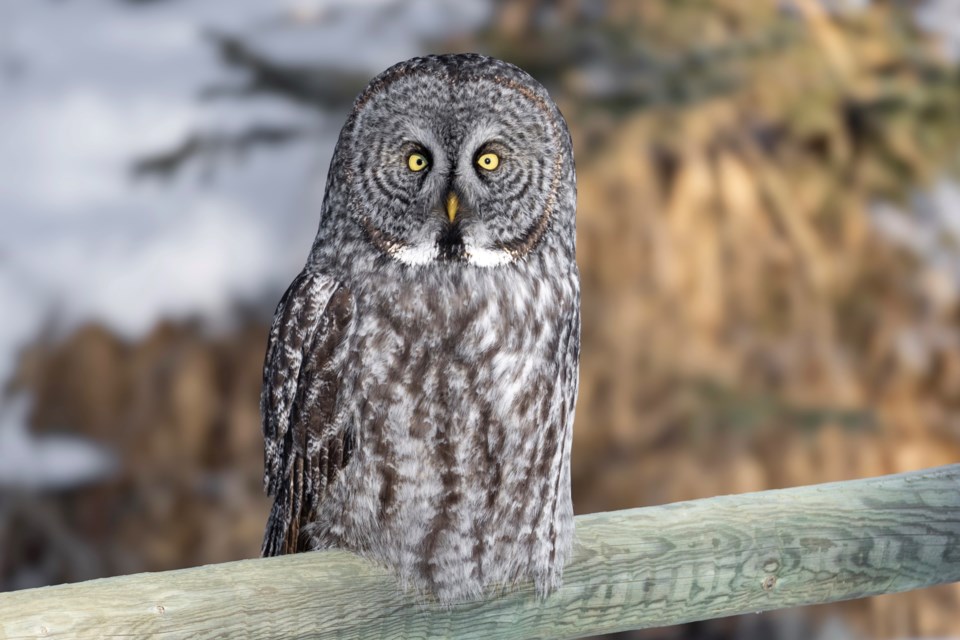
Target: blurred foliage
(863,88)
(745,324)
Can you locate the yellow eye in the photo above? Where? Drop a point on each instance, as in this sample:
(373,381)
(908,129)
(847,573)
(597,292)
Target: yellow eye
(488,161)
(417,162)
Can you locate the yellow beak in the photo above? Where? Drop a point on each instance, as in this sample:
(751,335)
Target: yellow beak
(452,204)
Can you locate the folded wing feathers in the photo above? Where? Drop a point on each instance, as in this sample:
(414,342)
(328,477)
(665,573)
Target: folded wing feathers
(298,401)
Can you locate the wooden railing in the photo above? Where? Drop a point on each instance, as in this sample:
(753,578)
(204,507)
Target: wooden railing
(631,569)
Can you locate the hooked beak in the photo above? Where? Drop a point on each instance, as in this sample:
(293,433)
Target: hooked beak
(453,203)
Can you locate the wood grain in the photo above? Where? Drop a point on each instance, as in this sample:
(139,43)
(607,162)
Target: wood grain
(636,568)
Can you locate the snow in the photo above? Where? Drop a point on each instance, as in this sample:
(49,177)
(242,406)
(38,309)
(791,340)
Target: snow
(48,462)
(930,229)
(942,17)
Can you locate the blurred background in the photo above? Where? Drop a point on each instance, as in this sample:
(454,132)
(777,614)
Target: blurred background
(769,240)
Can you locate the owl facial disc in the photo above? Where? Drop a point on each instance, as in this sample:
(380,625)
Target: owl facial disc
(457,164)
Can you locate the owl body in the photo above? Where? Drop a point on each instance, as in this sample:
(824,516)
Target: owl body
(421,375)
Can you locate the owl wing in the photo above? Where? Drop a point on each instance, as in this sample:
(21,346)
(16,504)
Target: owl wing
(304,449)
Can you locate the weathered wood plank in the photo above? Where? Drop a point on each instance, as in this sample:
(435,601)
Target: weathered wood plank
(637,568)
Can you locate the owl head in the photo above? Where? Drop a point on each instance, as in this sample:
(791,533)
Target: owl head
(459,159)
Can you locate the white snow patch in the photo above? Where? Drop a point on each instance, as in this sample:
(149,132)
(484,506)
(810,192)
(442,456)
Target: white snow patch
(47,462)
(68,156)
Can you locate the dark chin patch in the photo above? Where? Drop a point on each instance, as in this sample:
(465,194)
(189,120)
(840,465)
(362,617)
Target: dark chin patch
(450,244)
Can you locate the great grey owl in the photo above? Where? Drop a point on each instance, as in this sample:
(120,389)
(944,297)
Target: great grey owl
(421,371)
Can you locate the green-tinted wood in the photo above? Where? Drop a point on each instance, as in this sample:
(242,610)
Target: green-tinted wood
(637,568)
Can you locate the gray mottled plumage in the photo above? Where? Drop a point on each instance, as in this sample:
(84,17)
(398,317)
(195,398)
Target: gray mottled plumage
(421,372)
